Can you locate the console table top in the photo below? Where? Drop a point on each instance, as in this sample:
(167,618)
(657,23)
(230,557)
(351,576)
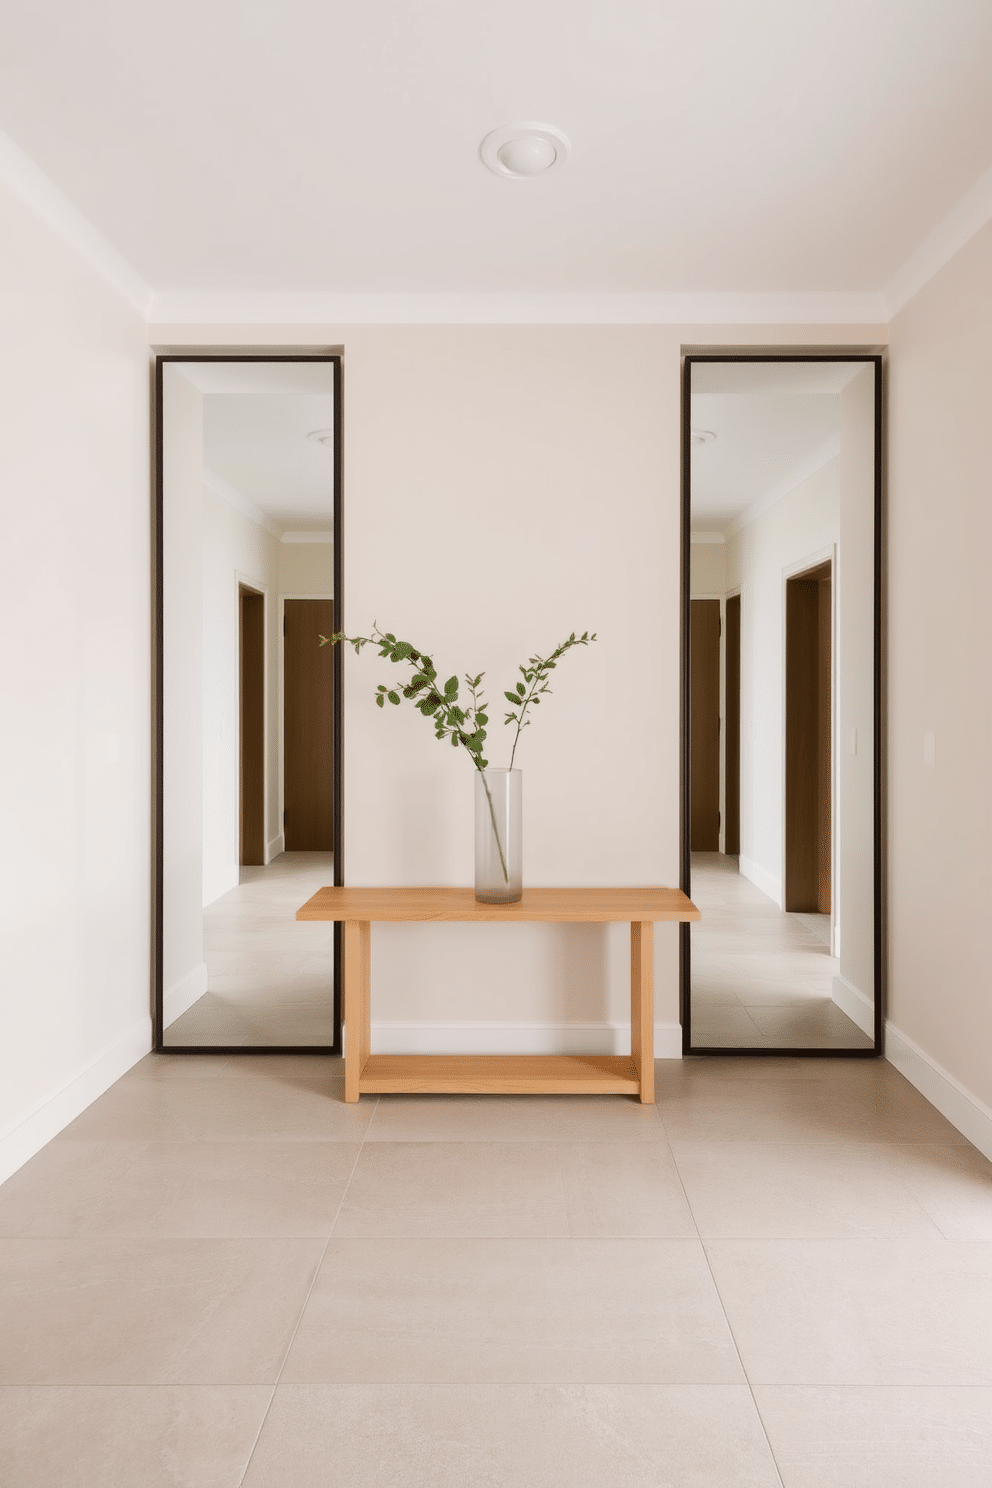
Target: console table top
(578,905)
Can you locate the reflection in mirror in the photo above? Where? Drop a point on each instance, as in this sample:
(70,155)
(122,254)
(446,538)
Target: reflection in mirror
(781,705)
(247,489)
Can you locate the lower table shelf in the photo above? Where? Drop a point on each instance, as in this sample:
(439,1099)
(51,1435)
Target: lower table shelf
(499,1074)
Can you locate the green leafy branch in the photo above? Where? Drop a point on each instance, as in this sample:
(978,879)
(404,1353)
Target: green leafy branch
(535,685)
(464,726)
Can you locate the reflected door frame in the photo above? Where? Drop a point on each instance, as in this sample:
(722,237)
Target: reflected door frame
(869,356)
(213,354)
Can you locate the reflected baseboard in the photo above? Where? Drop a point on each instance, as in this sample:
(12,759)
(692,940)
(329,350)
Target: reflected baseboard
(181,996)
(274,848)
(855,1004)
(761,878)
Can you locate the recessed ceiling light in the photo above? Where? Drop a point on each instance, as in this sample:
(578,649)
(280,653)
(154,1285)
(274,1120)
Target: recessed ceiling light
(322,436)
(701,436)
(522,151)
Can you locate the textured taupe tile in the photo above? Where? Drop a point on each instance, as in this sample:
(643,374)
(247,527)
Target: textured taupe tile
(226,1189)
(773,1109)
(953,1185)
(162,1436)
(454,1188)
(63,1185)
(593,1311)
(864,1312)
(623,1188)
(740,1190)
(514,1118)
(112,1311)
(882,1437)
(239,1109)
(512,1436)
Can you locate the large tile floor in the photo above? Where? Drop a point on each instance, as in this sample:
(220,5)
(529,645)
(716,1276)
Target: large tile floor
(221,1274)
(270,980)
(761,978)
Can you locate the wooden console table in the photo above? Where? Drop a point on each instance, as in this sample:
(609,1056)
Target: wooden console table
(503,1074)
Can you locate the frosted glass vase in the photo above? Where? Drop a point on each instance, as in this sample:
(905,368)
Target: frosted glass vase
(498,823)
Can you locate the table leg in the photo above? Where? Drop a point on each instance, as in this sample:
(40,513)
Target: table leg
(642,1005)
(357,1002)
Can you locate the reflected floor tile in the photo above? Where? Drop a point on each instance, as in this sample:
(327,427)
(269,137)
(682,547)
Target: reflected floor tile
(552,1311)
(227,1109)
(886,1437)
(129,1437)
(870,1312)
(513,1118)
(112,1311)
(479,1436)
(791,1191)
(226,1189)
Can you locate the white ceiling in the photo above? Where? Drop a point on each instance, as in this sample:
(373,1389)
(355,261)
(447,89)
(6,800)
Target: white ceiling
(257,417)
(775,424)
(296,146)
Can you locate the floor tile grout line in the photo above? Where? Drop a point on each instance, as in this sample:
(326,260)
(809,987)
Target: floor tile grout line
(747,1377)
(306,1299)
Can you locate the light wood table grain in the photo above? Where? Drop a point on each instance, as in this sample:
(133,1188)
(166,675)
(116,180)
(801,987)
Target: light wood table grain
(500,1074)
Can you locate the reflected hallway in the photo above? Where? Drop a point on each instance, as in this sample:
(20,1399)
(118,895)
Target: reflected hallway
(270,978)
(761,978)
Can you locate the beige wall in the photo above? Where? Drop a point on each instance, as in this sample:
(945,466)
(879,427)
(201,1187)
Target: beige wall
(707,569)
(75,682)
(306,569)
(504,485)
(939,537)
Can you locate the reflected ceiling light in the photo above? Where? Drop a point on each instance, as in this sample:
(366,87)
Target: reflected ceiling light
(322,436)
(522,151)
(701,436)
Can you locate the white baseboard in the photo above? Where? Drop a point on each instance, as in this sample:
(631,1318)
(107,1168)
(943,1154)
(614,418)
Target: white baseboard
(181,997)
(761,878)
(519,1038)
(971,1116)
(222,884)
(53,1114)
(274,848)
(852,1001)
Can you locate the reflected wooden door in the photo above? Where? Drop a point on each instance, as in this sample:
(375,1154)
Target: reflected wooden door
(251,690)
(308,725)
(704,672)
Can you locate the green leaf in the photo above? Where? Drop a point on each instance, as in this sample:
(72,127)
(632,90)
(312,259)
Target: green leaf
(482,718)
(455,740)
(521,689)
(394,698)
(379,700)
(451,687)
(430,704)
(511,697)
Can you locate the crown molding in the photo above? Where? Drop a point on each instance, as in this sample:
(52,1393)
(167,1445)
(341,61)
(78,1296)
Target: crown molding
(241,503)
(290,308)
(967,217)
(829,450)
(20,174)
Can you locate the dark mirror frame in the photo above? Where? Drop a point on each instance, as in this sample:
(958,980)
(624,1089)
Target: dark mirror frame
(685,969)
(158,722)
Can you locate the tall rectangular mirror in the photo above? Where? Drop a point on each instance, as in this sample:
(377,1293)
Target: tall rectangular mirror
(249,702)
(781,736)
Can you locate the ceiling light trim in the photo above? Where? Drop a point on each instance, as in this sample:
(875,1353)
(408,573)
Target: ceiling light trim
(494,150)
